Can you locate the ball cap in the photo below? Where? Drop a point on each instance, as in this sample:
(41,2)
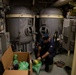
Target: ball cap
(45,36)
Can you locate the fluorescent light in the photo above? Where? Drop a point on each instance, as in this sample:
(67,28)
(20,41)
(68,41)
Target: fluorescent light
(61,0)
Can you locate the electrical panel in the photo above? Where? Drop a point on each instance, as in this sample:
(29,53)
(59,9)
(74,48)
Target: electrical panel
(73,28)
(69,29)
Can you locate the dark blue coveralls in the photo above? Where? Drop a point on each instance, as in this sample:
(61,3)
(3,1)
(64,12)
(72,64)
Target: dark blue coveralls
(48,47)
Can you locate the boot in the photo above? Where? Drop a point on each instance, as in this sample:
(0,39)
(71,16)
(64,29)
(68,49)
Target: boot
(46,68)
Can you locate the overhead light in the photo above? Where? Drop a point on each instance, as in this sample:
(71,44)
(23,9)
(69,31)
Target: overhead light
(61,0)
(64,0)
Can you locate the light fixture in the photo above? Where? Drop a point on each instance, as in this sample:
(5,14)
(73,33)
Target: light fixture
(61,0)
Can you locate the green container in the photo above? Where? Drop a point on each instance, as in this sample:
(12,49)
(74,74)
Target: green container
(23,65)
(15,62)
(15,57)
(36,67)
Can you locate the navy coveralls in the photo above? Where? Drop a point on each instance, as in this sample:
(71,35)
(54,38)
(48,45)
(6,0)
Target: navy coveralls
(48,47)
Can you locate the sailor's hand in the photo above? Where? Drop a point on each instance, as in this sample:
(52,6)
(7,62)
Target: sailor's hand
(39,58)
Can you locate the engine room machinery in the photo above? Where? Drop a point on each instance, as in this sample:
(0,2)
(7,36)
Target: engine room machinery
(20,25)
(69,29)
(51,20)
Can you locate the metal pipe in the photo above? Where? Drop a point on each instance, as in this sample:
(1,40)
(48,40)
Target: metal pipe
(34,35)
(33,2)
(61,2)
(45,2)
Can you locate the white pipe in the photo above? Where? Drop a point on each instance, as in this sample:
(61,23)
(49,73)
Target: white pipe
(74,60)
